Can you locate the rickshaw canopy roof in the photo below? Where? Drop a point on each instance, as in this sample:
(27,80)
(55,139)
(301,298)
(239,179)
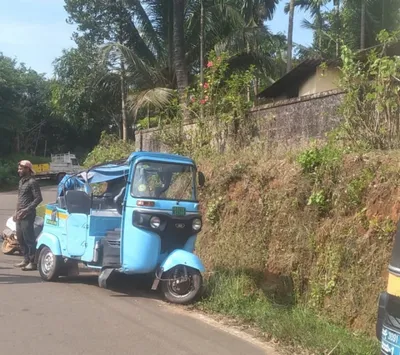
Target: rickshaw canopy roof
(164,157)
(112,171)
(106,172)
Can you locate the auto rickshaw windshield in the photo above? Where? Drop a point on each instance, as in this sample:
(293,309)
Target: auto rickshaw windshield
(164,181)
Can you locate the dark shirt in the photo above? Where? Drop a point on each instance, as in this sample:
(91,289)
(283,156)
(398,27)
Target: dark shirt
(29,195)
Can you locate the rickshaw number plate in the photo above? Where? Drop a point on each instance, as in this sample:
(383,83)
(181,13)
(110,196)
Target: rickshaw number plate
(390,342)
(178,211)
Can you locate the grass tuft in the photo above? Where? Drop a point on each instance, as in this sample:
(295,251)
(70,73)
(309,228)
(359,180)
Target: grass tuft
(236,294)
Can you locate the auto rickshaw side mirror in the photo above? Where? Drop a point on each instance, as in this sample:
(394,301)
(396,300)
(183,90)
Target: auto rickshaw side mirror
(201,178)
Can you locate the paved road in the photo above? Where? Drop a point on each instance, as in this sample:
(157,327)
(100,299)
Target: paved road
(77,317)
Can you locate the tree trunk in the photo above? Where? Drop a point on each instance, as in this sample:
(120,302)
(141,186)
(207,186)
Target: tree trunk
(181,72)
(248,49)
(17,143)
(362,34)
(171,41)
(290,36)
(255,91)
(337,4)
(124,114)
(202,56)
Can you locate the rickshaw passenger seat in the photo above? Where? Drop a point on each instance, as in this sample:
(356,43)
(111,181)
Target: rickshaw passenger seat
(78,202)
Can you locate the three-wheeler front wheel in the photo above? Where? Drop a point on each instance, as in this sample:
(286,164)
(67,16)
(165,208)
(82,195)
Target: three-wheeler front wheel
(49,265)
(182,284)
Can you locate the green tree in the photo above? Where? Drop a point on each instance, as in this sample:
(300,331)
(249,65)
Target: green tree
(84,93)
(363,20)
(24,106)
(154,46)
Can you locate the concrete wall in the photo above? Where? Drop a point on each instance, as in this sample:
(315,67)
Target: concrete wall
(147,139)
(281,122)
(298,118)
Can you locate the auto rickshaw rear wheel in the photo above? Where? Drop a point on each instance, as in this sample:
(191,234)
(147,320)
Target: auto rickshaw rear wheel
(182,284)
(49,265)
(7,248)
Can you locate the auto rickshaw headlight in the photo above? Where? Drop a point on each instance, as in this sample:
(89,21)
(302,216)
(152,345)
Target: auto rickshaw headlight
(196,224)
(155,222)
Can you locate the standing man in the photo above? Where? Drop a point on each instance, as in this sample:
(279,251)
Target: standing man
(29,197)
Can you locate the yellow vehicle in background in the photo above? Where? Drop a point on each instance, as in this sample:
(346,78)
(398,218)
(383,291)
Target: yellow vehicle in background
(388,324)
(41,168)
(60,165)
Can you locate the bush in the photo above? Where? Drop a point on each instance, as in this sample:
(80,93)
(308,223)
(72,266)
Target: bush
(148,122)
(319,157)
(8,174)
(8,168)
(109,148)
(371,107)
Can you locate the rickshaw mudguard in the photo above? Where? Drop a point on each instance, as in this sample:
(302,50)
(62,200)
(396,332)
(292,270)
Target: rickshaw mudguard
(182,257)
(49,240)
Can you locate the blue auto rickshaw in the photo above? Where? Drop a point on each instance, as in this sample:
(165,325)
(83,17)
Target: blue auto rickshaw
(145,222)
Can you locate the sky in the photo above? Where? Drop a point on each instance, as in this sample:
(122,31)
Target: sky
(35,32)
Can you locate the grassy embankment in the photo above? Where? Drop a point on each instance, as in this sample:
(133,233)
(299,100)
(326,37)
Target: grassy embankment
(298,243)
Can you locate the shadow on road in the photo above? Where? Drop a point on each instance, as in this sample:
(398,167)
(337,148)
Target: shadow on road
(9,279)
(121,285)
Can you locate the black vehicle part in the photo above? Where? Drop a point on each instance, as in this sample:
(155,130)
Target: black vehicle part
(395,260)
(174,231)
(111,249)
(105,276)
(59,177)
(382,304)
(388,313)
(183,285)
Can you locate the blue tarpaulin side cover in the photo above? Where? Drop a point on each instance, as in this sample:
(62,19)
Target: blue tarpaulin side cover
(95,175)
(69,182)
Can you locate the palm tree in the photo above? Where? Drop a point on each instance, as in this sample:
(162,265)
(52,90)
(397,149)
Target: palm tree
(290,35)
(182,75)
(362,20)
(336,3)
(161,48)
(362,30)
(315,9)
